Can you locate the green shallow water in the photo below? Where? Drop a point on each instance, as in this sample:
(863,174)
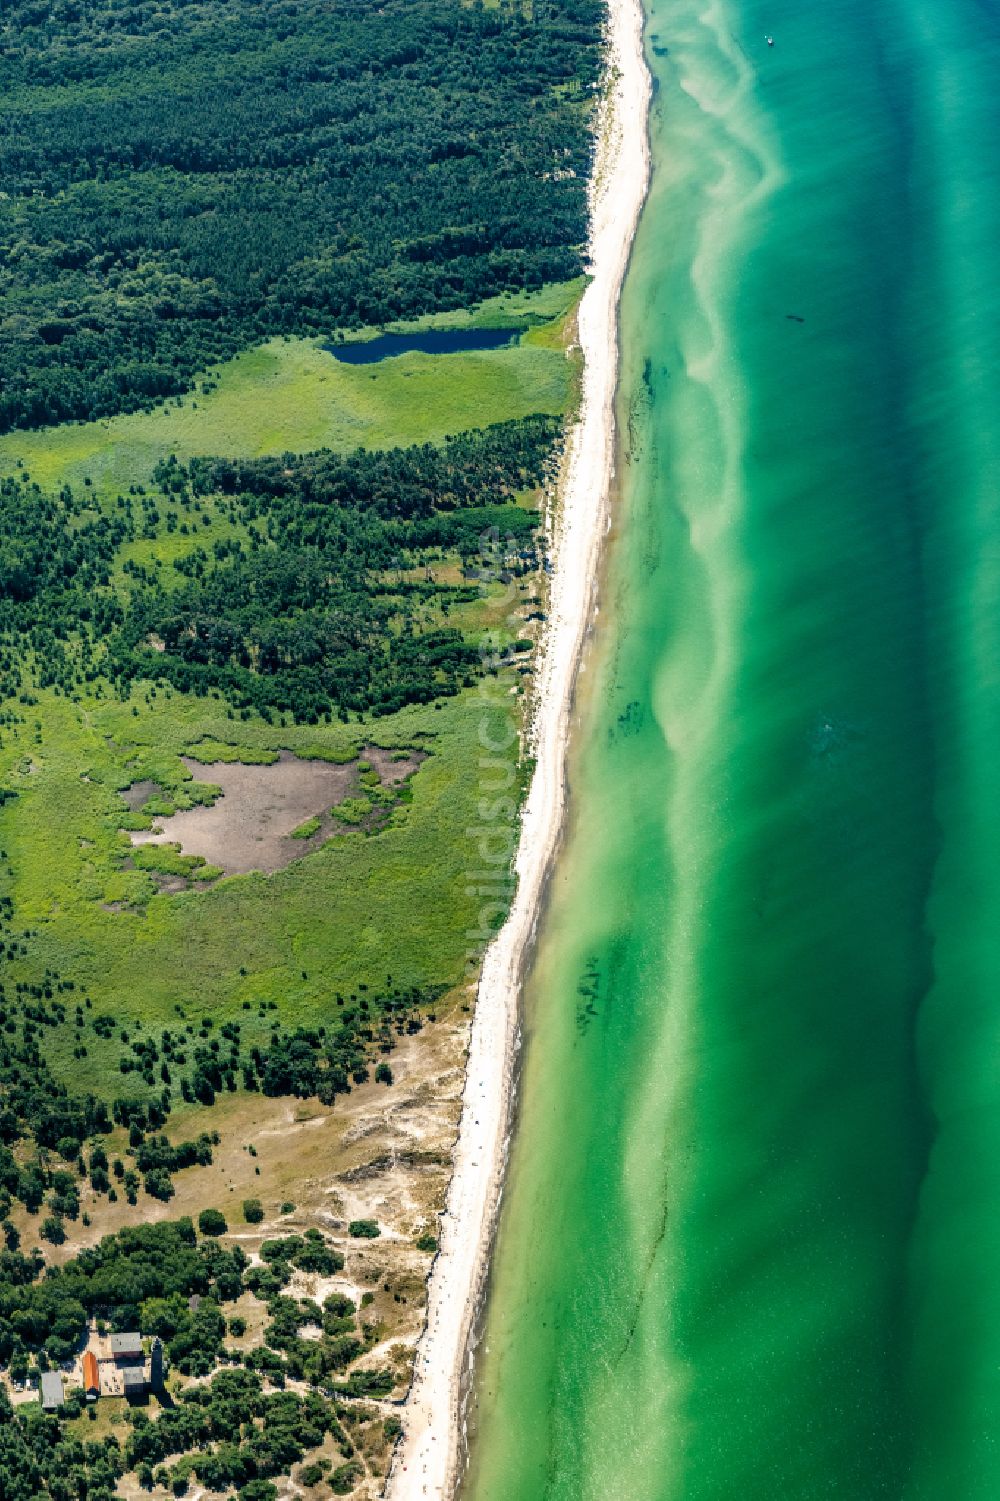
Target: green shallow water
(750,1245)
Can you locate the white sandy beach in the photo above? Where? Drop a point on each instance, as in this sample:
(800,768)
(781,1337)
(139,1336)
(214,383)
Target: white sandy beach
(426,1463)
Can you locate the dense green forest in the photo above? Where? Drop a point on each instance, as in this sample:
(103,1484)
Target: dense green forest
(183,179)
(318,611)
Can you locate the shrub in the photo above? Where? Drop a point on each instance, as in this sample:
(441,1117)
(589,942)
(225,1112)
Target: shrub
(253,1211)
(316,1256)
(345,1478)
(212,1222)
(427,1243)
(364,1229)
(53,1229)
(158,1184)
(258,1490)
(352,810)
(308,829)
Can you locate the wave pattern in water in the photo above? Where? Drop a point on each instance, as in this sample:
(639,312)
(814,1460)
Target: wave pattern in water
(753,1215)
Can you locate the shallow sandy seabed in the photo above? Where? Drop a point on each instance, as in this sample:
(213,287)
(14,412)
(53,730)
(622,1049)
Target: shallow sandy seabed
(426,1465)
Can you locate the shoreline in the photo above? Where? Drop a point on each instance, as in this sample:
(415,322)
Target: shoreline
(426,1463)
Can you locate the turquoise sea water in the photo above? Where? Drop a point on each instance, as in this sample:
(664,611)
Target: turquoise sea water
(750,1247)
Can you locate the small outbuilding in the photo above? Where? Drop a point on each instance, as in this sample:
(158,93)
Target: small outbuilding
(91,1377)
(51,1391)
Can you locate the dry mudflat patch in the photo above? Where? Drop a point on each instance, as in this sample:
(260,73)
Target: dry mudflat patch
(253,825)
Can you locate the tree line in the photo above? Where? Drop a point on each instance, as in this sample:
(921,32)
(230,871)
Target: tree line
(316,612)
(295,167)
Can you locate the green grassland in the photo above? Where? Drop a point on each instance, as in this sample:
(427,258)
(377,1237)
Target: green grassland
(292,396)
(376,906)
(210,523)
(546,305)
(346,915)
(341,917)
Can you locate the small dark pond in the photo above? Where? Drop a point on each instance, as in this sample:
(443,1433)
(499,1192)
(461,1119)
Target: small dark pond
(430,341)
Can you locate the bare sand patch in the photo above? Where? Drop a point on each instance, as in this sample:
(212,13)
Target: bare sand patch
(251,826)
